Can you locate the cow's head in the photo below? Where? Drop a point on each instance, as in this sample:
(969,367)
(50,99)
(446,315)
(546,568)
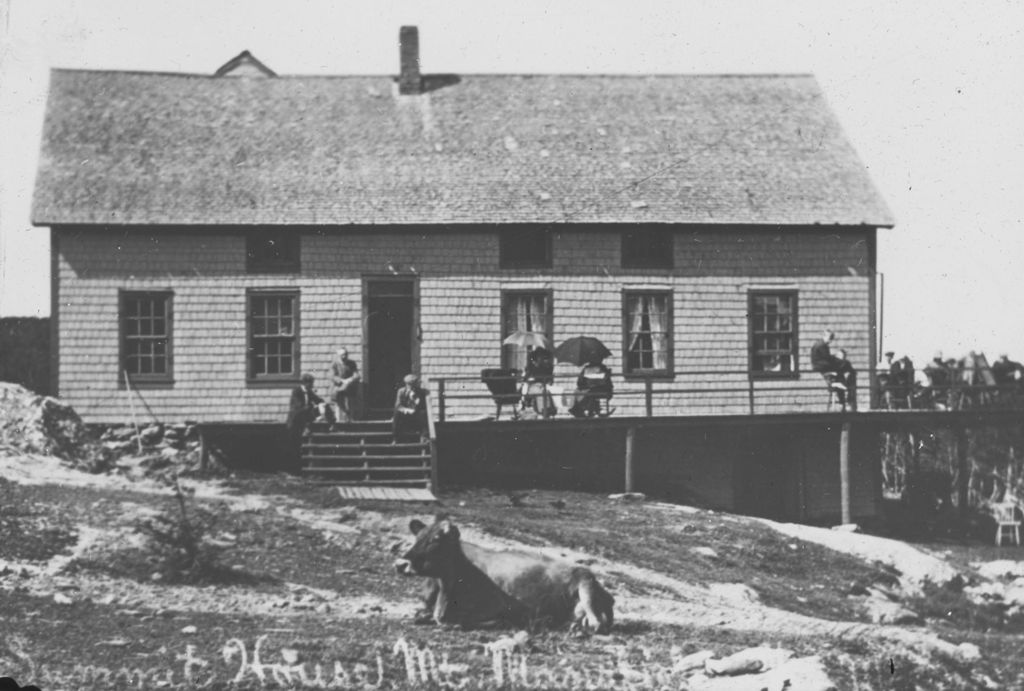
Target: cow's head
(436,545)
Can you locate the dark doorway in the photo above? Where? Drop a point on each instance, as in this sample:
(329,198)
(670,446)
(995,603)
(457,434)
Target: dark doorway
(390,308)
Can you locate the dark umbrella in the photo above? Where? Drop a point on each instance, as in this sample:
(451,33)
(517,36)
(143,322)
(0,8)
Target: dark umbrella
(579,350)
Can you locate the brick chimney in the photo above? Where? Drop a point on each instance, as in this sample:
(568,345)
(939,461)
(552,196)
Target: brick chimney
(409,80)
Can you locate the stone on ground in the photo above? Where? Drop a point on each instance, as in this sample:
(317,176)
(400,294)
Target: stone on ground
(42,425)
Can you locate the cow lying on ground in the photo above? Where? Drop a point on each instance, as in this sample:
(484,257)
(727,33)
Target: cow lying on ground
(472,586)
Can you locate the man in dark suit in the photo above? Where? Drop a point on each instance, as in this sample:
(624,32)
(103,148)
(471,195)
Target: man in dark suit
(302,410)
(837,371)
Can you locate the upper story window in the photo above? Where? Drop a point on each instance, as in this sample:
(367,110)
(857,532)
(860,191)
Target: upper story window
(272,251)
(647,331)
(273,330)
(146,326)
(524,248)
(773,333)
(523,311)
(647,248)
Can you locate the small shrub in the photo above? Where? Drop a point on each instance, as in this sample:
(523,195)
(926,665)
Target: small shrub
(181,540)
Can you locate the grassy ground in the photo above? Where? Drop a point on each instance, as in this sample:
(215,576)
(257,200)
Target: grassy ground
(135,632)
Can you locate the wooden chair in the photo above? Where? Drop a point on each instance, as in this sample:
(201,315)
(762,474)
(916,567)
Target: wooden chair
(836,390)
(504,387)
(1005,515)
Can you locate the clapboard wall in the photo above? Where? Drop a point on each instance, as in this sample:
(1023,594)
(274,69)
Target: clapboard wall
(460,286)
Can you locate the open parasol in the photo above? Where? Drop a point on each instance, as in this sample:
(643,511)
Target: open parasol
(526,339)
(579,350)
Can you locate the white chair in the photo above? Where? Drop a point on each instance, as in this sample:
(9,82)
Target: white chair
(1005,515)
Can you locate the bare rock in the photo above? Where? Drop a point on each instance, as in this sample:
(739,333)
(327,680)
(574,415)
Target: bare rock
(152,435)
(967,653)
(628,496)
(690,663)
(42,425)
(704,551)
(847,528)
(882,611)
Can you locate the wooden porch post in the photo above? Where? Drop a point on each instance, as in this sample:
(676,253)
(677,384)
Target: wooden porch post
(844,472)
(963,470)
(630,444)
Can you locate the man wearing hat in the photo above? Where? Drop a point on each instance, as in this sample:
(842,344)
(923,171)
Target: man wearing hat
(302,410)
(410,409)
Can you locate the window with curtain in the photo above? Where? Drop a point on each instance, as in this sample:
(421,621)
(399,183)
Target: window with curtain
(146,337)
(773,333)
(523,311)
(273,324)
(648,332)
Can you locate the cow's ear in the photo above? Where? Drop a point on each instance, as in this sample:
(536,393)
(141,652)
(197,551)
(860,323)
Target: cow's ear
(416,526)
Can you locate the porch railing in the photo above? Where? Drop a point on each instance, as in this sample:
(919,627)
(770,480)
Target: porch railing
(722,391)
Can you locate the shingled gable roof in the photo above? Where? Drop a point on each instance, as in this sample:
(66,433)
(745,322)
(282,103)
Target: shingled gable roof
(147,148)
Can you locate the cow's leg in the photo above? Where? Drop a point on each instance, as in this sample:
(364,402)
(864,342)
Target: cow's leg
(593,609)
(425,615)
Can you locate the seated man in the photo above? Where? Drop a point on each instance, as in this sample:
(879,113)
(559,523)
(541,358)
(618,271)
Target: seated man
(840,374)
(303,409)
(1007,372)
(939,379)
(901,381)
(410,417)
(884,376)
(593,384)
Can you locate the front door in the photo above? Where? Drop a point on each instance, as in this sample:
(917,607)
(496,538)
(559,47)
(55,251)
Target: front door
(390,339)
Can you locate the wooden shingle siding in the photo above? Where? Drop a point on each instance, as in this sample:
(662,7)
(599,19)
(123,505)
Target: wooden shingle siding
(460,288)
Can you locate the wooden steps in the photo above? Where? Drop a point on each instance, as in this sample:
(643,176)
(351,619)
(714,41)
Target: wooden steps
(364,454)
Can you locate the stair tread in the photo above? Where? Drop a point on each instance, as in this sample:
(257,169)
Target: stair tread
(394,469)
(365,460)
(366,446)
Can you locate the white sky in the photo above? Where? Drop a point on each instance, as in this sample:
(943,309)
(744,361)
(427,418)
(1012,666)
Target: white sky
(931,95)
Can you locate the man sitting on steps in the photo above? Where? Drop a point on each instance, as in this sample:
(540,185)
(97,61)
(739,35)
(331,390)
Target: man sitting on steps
(303,409)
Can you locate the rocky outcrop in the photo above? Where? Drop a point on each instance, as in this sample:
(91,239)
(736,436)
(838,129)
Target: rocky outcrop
(30,423)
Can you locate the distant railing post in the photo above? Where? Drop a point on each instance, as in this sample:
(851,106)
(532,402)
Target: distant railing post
(648,398)
(750,392)
(440,400)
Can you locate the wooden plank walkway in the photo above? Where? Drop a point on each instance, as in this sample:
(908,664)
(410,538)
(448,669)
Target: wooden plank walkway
(386,493)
